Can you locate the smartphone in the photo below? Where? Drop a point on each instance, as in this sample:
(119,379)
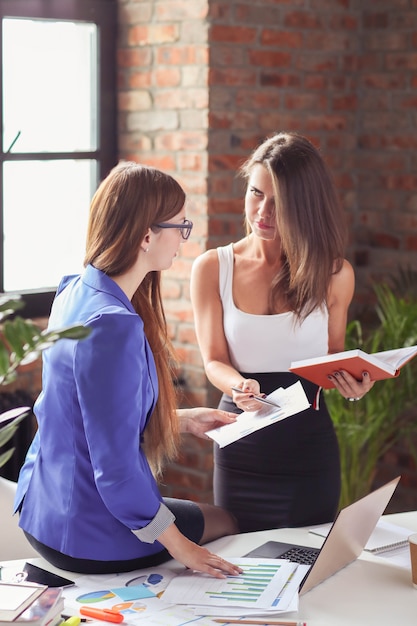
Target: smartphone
(41,576)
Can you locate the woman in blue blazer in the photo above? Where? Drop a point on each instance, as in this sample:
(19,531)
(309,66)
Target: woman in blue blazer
(107,419)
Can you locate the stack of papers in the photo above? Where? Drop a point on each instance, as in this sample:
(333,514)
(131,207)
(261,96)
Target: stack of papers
(265,587)
(165,597)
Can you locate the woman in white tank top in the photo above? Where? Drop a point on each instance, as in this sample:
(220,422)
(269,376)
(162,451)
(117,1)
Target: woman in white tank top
(280,294)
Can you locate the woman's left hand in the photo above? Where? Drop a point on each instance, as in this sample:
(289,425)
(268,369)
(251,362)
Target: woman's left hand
(199,420)
(349,387)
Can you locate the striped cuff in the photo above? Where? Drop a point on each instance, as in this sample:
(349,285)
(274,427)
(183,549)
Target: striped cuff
(160,522)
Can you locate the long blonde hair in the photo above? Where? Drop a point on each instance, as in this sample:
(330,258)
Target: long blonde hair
(309,219)
(129,201)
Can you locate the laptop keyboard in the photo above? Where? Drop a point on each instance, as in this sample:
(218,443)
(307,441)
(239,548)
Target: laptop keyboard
(300,555)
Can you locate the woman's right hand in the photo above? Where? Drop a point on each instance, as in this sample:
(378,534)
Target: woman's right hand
(197,557)
(245,399)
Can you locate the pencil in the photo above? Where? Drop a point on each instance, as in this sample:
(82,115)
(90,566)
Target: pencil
(265,622)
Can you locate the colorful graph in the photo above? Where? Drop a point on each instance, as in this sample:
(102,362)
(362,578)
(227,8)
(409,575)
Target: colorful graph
(257,587)
(95,596)
(246,588)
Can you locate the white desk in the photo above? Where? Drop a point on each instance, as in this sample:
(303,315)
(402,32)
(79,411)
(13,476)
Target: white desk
(369,592)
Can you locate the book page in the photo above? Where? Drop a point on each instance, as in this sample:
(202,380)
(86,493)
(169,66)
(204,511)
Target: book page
(397,357)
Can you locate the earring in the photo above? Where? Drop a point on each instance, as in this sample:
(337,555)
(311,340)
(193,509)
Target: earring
(145,249)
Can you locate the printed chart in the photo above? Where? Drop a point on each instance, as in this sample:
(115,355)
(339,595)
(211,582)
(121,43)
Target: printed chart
(257,587)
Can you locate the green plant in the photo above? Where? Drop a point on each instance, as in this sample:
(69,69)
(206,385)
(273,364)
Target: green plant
(22,342)
(368,428)
(9,422)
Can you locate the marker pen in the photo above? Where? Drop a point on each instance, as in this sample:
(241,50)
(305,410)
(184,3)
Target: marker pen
(106,615)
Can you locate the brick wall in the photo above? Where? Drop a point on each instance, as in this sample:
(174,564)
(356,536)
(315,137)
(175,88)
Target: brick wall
(202,82)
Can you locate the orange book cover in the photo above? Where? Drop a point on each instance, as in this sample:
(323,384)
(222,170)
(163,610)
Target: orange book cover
(381,365)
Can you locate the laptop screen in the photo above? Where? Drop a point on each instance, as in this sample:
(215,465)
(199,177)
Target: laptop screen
(346,539)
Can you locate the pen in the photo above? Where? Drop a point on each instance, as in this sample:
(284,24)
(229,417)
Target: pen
(259,398)
(106,615)
(265,622)
(67,617)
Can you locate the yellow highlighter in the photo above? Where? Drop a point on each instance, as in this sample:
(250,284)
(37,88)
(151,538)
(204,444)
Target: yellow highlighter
(71,621)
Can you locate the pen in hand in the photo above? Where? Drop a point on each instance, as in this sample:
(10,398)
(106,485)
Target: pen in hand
(258,398)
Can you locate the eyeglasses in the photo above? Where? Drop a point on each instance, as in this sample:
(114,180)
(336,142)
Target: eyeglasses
(185,228)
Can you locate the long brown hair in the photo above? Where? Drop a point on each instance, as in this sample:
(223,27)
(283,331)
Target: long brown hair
(309,219)
(127,203)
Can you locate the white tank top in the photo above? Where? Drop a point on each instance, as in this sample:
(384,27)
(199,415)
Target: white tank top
(267,343)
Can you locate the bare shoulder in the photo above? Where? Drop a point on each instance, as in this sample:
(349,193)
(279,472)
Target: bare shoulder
(342,284)
(345,274)
(205,272)
(206,262)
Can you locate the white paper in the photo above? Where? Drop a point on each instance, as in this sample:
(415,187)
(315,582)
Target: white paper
(291,400)
(256,588)
(110,592)
(286,601)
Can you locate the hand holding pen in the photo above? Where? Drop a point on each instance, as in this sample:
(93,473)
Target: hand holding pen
(252,400)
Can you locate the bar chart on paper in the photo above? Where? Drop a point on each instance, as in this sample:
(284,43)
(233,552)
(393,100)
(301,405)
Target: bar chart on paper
(257,587)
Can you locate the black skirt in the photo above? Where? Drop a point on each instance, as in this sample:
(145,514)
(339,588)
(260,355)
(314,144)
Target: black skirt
(287,474)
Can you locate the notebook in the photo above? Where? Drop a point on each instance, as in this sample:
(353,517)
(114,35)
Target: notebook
(347,538)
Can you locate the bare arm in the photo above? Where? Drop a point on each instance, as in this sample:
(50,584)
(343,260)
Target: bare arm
(199,420)
(194,556)
(340,296)
(208,317)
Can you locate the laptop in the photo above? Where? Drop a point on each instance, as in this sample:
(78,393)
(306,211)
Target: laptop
(347,538)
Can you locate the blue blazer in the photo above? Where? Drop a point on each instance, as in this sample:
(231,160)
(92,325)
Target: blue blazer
(86,485)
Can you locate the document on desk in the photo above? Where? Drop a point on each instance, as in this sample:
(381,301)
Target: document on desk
(290,401)
(137,595)
(256,588)
(285,602)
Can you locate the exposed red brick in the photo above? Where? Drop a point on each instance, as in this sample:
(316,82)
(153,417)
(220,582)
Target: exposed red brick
(232,34)
(202,83)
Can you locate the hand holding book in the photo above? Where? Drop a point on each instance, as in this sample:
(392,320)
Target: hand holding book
(380,365)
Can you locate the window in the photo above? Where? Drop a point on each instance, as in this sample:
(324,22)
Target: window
(58,137)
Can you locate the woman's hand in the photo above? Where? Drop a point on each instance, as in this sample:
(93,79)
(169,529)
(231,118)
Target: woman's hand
(349,387)
(199,420)
(245,399)
(196,557)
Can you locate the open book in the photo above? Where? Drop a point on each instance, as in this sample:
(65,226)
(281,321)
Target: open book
(380,365)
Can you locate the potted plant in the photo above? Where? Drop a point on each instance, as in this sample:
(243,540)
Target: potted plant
(384,416)
(22,342)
